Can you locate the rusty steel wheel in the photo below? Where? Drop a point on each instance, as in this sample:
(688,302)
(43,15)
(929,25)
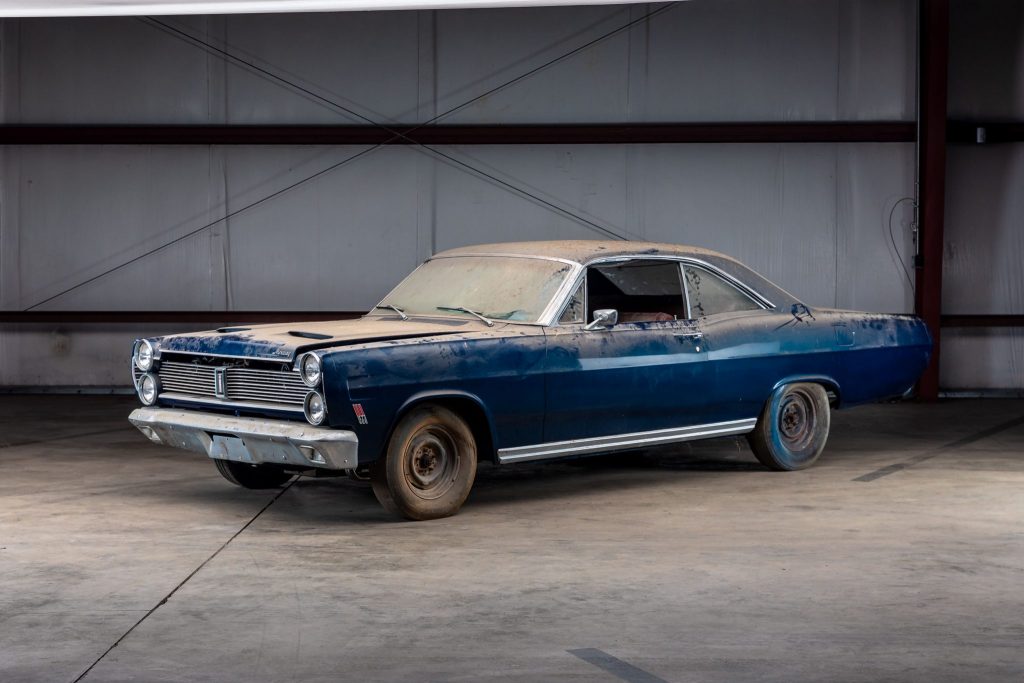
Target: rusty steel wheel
(793,427)
(429,466)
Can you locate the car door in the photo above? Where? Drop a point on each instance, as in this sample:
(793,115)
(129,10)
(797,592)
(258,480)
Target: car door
(645,373)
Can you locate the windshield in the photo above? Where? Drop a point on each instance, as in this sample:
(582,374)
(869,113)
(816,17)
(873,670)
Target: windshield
(496,287)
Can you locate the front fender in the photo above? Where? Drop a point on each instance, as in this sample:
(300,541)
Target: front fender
(480,419)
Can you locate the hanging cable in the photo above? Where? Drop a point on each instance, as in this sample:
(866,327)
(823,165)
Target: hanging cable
(892,238)
(396,135)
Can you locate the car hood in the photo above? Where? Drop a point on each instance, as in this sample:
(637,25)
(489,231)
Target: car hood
(285,341)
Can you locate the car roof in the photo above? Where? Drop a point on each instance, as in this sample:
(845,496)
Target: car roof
(583,251)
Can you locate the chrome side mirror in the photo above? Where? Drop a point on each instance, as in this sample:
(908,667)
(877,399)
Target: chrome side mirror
(603,317)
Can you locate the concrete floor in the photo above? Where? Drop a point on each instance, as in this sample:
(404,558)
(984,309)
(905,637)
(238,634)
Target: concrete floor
(688,564)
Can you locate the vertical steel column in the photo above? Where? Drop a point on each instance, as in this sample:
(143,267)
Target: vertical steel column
(933,54)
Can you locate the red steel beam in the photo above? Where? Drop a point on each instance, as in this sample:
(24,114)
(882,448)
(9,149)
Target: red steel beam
(577,134)
(934,64)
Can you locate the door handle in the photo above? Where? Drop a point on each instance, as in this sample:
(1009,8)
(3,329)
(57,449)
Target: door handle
(689,335)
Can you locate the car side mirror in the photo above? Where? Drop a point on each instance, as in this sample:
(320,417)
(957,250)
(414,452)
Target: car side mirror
(603,317)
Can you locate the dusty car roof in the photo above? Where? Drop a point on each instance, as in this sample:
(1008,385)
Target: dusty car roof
(582,251)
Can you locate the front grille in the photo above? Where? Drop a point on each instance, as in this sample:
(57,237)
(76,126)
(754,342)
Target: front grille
(280,388)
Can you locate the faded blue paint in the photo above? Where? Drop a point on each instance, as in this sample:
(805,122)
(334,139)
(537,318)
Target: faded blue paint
(536,384)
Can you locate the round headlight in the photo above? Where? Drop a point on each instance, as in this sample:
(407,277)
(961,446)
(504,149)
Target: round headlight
(315,408)
(148,389)
(311,370)
(144,356)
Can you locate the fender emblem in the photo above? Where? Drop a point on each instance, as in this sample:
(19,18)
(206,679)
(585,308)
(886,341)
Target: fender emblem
(357,408)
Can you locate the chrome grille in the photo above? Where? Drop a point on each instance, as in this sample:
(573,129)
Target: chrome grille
(281,387)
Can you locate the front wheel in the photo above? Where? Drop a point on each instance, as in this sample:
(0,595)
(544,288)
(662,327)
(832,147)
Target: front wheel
(793,427)
(429,466)
(252,476)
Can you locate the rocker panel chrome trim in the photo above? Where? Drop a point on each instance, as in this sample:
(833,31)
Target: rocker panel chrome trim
(559,449)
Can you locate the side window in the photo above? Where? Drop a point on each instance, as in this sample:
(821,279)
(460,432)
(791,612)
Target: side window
(641,291)
(709,294)
(573,312)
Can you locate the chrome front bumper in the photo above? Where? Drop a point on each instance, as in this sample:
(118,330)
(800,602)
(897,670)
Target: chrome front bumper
(249,439)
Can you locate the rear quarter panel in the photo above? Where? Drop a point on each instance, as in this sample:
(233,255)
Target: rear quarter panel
(884,354)
(862,357)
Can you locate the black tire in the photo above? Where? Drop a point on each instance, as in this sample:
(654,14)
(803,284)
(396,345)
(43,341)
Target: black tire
(429,467)
(252,476)
(793,427)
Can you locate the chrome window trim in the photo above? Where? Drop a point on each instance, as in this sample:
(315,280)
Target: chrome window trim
(579,278)
(686,291)
(746,289)
(757,297)
(743,289)
(561,449)
(548,313)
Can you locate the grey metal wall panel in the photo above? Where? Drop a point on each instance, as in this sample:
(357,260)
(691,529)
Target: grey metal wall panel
(984,231)
(337,243)
(365,61)
(875,187)
(86,356)
(982,265)
(810,216)
(977,359)
(104,71)
(986,59)
(82,210)
(478,51)
(739,61)
(728,60)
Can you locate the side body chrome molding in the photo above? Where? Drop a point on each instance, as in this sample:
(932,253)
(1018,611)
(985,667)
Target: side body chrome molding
(561,449)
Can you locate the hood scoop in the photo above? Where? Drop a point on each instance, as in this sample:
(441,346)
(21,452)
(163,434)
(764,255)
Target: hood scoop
(310,335)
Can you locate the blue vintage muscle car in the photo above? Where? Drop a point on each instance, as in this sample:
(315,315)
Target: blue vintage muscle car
(520,352)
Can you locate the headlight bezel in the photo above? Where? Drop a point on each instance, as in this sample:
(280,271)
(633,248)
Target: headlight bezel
(307,410)
(312,359)
(151,354)
(141,391)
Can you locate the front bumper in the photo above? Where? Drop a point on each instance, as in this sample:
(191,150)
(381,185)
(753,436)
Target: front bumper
(249,439)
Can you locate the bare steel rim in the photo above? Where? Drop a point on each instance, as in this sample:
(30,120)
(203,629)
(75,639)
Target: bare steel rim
(798,420)
(432,462)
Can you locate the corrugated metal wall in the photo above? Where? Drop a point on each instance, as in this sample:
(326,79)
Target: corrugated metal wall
(983,268)
(813,217)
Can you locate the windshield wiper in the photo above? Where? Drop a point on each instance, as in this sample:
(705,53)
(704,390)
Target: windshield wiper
(396,309)
(463,309)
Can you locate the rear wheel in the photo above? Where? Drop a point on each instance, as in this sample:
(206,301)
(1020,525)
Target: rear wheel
(252,476)
(429,466)
(793,427)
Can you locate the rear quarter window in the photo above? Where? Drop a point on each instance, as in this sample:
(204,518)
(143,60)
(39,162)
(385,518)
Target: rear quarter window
(710,294)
